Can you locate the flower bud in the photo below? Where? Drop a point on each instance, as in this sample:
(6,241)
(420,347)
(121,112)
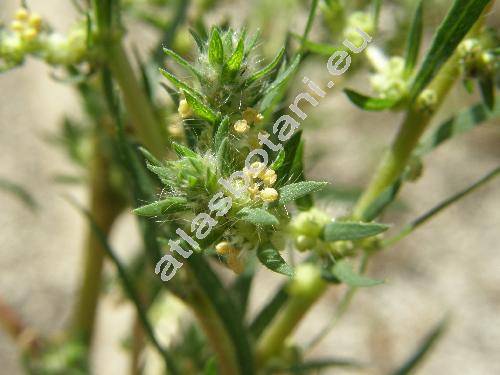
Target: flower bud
(427,101)
(269,195)
(306,281)
(21,14)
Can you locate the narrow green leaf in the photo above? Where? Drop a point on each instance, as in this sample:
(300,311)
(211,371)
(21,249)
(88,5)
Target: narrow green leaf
(185,64)
(275,91)
(272,259)
(344,272)
(382,201)
(321,49)
(183,151)
(368,103)
(180,85)
(266,70)
(150,158)
(414,39)
(233,64)
(19,192)
(314,366)
(198,39)
(409,228)
(224,158)
(200,109)
(423,350)
(128,286)
(376,5)
(278,162)
(258,216)
(290,193)
(460,123)
(461,17)
(164,207)
(285,75)
(221,133)
(269,311)
(310,20)
(215,49)
(350,231)
(290,149)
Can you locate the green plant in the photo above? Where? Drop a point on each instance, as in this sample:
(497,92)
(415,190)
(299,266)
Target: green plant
(227,207)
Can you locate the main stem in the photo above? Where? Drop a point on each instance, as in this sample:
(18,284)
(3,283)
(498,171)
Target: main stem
(104,208)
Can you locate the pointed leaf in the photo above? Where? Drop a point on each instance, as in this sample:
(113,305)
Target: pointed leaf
(185,64)
(183,151)
(278,162)
(458,124)
(221,133)
(180,85)
(350,231)
(290,193)
(266,70)
(322,49)
(487,87)
(258,216)
(268,312)
(368,103)
(382,201)
(165,206)
(200,109)
(233,64)
(272,259)
(423,350)
(461,17)
(215,49)
(414,39)
(344,272)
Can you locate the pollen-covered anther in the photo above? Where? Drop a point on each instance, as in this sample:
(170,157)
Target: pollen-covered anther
(269,177)
(224,248)
(241,126)
(269,195)
(251,116)
(184,109)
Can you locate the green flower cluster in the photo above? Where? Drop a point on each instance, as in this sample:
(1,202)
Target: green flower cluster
(29,35)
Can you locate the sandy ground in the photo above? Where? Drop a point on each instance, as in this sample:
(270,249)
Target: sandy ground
(450,266)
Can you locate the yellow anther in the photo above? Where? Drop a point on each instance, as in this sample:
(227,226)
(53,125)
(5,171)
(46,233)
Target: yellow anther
(269,177)
(241,126)
(256,169)
(21,14)
(30,34)
(17,26)
(35,21)
(269,195)
(223,248)
(251,116)
(184,109)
